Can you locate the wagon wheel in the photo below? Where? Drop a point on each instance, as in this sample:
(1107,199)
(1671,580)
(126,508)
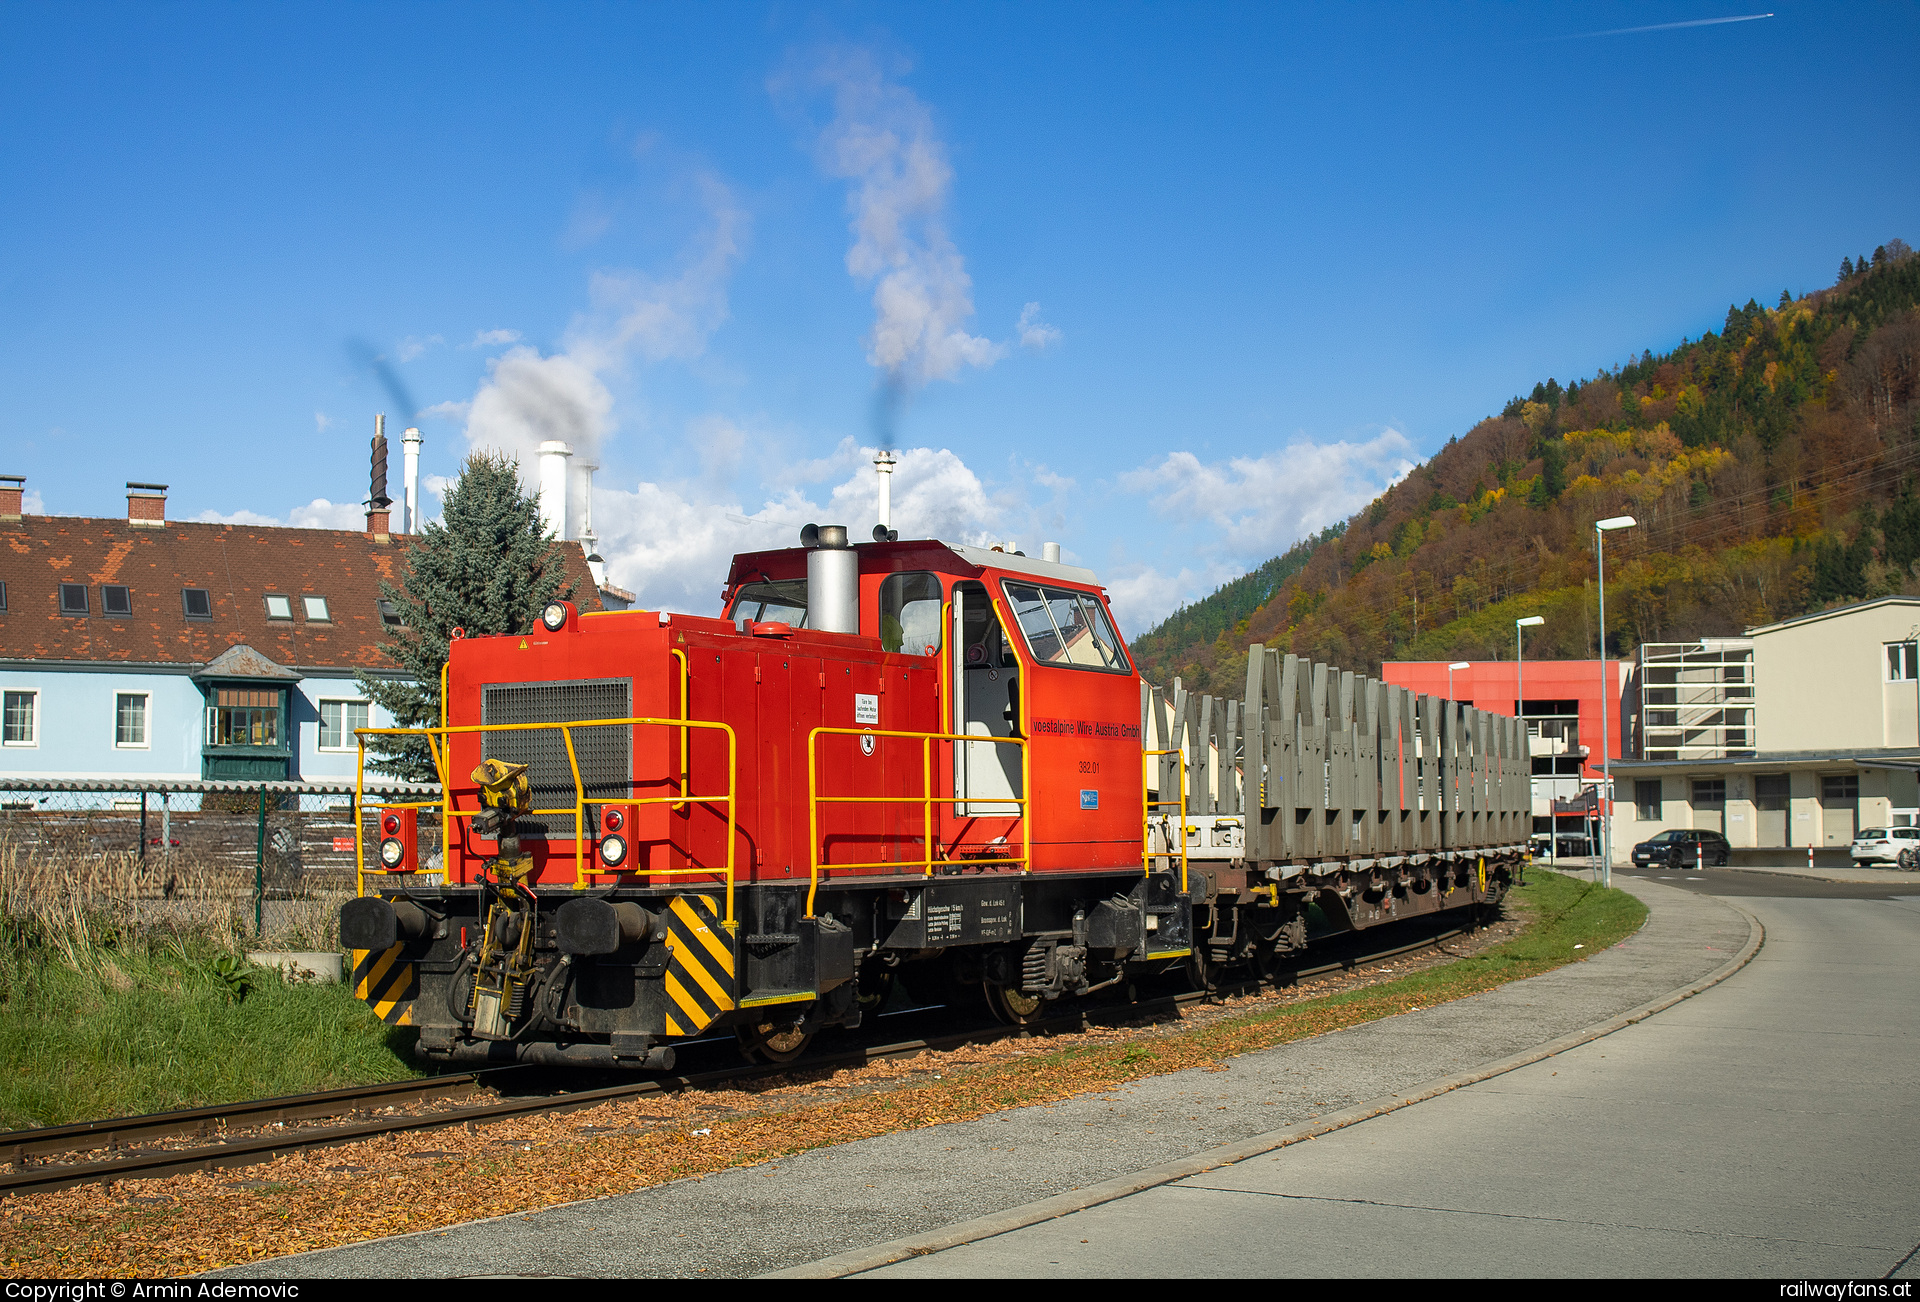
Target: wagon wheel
(773,1044)
(1012,1006)
(1201,974)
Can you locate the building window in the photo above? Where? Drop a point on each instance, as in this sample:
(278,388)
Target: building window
(278,606)
(316,610)
(73,599)
(17,718)
(3,598)
(1839,787)
(196,603)
(1903,662)
(338,719)
(243,716)
(1771,791)
(130,719)
(390,616)
(1709,792)
(1646,800)
(116,600)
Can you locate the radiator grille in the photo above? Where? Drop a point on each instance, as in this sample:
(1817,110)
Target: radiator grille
(605,754)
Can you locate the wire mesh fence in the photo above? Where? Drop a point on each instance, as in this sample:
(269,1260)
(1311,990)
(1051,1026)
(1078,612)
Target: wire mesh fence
(240,862)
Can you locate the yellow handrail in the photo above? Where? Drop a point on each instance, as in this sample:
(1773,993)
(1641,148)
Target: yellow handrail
(1146,819)
(577,809)
(926,800)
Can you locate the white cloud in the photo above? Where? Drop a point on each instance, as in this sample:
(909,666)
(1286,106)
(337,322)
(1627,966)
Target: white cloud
(671,542)
(882,141)
(321,421)
(31,503)
(447,411)
(317,514)
(1142,596)
(322,514)
(1260,506)
(528,399)
(493,339)
(1035,333)
(414,345)
(238,517)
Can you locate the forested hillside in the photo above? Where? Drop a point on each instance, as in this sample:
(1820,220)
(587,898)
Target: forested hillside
(1771,467)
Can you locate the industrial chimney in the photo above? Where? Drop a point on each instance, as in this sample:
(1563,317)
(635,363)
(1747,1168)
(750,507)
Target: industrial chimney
(410,486)
(553,486)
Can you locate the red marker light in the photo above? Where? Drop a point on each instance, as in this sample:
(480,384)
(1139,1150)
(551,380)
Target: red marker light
(613,820)
(390,825)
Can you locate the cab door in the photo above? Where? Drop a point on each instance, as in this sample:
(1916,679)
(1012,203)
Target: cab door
(987,776)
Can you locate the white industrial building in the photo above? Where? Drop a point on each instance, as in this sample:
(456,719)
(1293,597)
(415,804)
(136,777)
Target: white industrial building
(1793,737)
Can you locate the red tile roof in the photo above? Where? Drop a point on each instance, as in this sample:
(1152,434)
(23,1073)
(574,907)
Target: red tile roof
(236,564)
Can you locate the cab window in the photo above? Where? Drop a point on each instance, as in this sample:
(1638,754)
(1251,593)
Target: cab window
(910,614)
(1064,627)
(774,602)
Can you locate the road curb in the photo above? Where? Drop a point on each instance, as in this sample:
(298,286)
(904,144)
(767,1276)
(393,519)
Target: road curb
(1047,1209)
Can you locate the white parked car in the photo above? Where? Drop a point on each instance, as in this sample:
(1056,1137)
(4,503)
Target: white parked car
(1883,845)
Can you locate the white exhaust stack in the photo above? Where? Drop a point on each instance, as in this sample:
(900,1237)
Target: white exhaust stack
(410,484)
(884,463)
(1050,552)
(553,486)
(589,540)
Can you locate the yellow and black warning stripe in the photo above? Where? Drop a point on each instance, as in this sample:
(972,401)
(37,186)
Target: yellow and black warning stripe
(387,983)
(699,965)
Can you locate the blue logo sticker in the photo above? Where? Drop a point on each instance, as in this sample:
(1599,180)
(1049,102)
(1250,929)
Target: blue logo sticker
(1089,800)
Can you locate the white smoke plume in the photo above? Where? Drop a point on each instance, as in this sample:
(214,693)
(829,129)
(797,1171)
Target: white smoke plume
(882,142)
(530,397)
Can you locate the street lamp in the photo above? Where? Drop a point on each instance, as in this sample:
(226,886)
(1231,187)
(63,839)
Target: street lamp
(1520,712)
(1601,528)
(1458,664)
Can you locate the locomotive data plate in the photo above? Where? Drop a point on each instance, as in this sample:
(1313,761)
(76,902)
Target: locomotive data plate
(955,913)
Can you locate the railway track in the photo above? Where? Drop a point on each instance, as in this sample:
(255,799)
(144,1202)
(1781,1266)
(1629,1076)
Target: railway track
(26,1150)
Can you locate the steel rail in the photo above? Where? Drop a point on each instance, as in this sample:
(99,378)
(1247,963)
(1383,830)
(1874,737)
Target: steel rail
(155,1164)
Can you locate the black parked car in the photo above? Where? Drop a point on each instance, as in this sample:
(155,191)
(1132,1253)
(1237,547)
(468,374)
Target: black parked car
(1683,848)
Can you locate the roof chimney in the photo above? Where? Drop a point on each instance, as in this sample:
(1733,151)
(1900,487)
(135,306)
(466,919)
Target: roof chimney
(147,506)
(12,489)
(377,499)
(553,486)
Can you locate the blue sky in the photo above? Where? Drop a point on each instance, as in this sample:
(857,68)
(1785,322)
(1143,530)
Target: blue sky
(1171,285)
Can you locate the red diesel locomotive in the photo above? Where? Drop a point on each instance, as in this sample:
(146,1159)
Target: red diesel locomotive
(896,757)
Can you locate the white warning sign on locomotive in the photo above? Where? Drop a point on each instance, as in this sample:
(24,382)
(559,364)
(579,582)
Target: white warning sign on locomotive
(866,709)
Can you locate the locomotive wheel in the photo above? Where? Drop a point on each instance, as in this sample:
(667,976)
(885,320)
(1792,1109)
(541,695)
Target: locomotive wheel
(1012,1006)
(876,987)
(773,1044)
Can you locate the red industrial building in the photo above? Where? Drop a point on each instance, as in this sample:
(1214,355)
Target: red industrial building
(1562,710)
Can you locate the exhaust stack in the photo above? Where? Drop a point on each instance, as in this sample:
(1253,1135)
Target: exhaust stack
(833,579)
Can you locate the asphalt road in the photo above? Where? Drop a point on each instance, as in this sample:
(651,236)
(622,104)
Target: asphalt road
(1764,1128)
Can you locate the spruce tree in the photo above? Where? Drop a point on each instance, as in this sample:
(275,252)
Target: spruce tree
(487,566)
(1846,269)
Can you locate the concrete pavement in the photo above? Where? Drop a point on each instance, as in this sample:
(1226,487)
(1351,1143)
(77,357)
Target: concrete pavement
(853,1196)
(1763,1128)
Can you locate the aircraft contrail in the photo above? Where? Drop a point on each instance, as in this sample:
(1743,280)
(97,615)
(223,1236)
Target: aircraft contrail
(1666,27)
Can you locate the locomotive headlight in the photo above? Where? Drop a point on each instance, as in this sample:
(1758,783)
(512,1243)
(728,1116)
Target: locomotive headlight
(392,852)
(613,851)
(554,617)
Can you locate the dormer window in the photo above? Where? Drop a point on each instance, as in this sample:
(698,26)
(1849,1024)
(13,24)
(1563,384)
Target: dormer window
(196,603)
(279,606)
(390,616)
(315,609)
(116,600)
(73,599)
